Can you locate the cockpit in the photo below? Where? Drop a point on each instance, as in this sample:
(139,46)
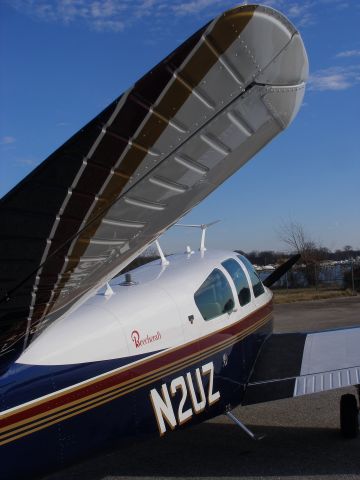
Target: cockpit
(215,295)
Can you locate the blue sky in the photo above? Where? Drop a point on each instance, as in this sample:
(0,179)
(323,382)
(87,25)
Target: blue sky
(62,61)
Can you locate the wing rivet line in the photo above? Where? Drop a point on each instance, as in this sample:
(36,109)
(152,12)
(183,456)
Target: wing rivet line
(194,91)
(225,63)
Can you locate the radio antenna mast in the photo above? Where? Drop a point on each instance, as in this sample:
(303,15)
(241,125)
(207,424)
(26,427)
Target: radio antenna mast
(164,261)
(203,228)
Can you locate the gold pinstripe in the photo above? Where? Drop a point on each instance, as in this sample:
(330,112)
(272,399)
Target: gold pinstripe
(168,369)
(113,373)
(111,393)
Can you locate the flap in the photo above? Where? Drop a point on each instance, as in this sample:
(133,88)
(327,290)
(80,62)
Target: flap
(294,364)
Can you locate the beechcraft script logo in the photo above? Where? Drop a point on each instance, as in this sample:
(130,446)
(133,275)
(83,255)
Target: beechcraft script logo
(142,341)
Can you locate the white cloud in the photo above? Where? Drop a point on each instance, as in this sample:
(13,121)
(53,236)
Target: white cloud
(335,78)
(27,162)
(329,82)
(108,25)
(337,4)
(7,140)
(195,6)
(348,53)
(302,13)
(116,15)
(99,15)
(299,11)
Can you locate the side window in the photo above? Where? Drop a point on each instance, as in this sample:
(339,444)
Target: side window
(214,297)
(239,278)
(258,287)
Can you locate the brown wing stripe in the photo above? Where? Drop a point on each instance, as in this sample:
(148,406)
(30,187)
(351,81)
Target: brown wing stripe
(87,164)
(194,71)
(107,153)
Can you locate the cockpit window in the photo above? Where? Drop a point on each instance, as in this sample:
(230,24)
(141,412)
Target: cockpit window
(214,297)
(240,281)
(258,287)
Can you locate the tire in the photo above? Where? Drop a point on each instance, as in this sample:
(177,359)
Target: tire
(349,416)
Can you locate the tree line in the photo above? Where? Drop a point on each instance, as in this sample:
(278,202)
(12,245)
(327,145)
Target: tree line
(271,257)
(313,254)
(298,241)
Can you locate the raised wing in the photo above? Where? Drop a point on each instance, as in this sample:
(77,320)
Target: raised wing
(142,163)
(294,364)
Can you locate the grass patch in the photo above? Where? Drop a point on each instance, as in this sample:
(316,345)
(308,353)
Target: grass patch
(305,294)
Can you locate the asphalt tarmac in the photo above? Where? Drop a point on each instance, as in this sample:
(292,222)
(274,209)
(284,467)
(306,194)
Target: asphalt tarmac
(302,435)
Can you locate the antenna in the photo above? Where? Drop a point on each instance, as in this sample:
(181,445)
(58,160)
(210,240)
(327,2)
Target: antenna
(128,282)
(203,227)
(108,291)
(161,253)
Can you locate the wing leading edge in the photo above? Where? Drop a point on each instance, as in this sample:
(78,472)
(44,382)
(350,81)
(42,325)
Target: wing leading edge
(144,162)
(295,364)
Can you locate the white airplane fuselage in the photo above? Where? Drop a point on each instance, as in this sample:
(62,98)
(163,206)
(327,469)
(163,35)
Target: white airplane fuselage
(175,346)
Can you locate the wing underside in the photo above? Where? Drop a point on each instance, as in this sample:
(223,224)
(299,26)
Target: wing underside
(142,163)
(295,364)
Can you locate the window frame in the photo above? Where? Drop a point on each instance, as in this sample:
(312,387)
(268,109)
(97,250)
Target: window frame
(239,259)
(233,284)
(231,290)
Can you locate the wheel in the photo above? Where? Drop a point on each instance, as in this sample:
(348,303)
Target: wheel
(349,416)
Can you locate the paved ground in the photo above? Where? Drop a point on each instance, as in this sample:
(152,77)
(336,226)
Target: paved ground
(317,315)
(302,437)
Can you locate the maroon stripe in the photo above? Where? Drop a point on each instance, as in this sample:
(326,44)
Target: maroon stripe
(147,367)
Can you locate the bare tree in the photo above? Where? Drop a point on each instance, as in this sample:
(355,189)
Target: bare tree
(294,235)
(348,251)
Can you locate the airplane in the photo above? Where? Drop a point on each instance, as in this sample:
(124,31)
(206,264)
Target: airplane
(88,360)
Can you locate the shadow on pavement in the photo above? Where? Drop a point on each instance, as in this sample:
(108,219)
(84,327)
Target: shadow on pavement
(221,450)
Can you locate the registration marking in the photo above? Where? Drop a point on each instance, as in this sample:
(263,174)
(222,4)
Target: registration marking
(169,406)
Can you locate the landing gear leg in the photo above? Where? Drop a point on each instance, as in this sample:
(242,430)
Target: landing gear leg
(349,415)
(243,427)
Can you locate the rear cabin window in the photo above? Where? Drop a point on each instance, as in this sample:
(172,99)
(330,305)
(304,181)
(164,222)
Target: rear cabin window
(240,281)
(258,287)
(214,297)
